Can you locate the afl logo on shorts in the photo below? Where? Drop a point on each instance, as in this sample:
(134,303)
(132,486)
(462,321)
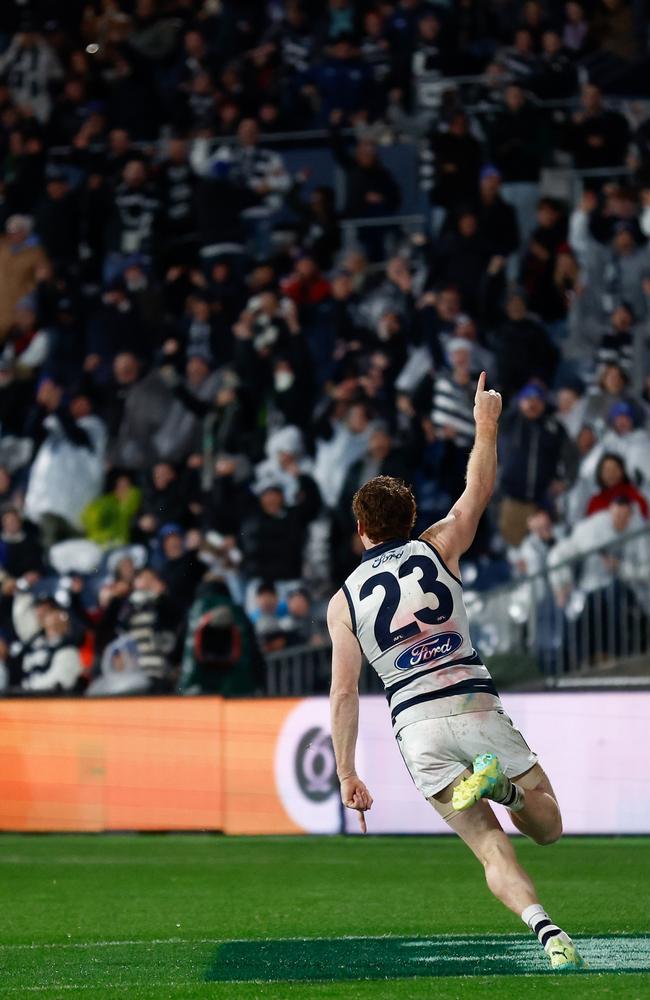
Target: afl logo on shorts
(442,644)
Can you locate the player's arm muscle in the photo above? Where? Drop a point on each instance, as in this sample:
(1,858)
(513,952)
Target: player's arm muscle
(454,534)
(344,705)
(344,691)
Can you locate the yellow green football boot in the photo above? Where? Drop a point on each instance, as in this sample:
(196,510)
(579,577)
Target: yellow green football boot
(564,956)
(487,781)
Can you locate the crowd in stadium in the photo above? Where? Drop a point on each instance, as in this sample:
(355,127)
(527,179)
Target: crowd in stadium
(201,358)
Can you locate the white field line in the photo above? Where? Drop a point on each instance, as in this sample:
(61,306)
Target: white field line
(9,859)
(37,945)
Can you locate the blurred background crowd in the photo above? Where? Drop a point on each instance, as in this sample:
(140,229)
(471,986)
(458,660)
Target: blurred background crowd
(255,253)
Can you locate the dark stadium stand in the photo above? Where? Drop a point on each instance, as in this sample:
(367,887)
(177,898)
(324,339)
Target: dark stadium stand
(254,254)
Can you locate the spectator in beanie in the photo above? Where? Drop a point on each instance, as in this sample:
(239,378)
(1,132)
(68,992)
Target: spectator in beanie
(497,219)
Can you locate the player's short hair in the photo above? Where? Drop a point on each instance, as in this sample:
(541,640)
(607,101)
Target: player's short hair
(385,506)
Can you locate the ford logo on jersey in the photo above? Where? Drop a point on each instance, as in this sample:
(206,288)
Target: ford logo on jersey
(433,648)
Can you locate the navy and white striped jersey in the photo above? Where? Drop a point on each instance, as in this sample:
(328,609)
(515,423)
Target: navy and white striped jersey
(408,615)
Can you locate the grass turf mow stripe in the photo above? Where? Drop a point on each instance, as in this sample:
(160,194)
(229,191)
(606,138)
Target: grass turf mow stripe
(290,960)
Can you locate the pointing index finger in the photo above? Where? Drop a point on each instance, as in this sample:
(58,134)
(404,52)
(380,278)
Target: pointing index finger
(481,383)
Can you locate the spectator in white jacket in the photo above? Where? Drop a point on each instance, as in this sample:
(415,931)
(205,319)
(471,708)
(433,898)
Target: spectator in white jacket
(68,469)
(628,561)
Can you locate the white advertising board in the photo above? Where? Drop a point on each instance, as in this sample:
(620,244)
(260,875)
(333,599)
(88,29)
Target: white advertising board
(593,747)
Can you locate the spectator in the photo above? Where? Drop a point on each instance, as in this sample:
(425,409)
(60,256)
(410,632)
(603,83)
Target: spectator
(112,329)
(150,621)
(273,536)
(518,143)
(30,67)
(56,218)
(453,396)
(225,498)
(68,469)
(21,261)
(345,438)
(497,219)
(571,403)
(538,461)
(163,500)
(576,32)
(383,457)
(429,60)
(180,568)
(613,482)
(45,658)
(107,520)
(611,580)
(523,349)
(177,184)
(371,190)
(597,137)
(135,210)
(556,76)
(303,627)
(20,550)
(269,618)
(342,81)
(538,269)
(617,344)
(611,388)
(120,671)
(630,441)
(221,654)
(260,171)
(287,465)
(462,258)
(456,162)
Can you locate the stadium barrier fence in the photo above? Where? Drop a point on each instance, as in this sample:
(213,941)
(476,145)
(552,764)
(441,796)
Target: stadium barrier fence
(544,629)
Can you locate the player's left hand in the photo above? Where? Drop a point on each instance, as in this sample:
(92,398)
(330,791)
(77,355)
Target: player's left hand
(355,795)
(487,405)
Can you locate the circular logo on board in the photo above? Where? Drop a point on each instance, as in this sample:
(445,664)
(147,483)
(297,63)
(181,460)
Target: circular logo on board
(315,765)
(305,770)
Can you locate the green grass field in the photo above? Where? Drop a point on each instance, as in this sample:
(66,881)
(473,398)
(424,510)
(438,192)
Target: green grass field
(181,917)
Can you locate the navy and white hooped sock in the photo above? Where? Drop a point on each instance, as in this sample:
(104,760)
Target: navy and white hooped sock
(536,917)
(509,795)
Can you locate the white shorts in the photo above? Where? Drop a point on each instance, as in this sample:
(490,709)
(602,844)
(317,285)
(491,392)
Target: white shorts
(436,751)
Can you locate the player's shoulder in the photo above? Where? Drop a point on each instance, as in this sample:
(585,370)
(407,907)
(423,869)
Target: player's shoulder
(339,609)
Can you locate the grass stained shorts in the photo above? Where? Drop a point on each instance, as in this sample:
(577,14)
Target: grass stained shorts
(437,751)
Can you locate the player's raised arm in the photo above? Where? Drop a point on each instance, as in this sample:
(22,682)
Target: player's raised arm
(455,533)
(344,705)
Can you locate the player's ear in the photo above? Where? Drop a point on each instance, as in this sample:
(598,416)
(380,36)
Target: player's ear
(360,529)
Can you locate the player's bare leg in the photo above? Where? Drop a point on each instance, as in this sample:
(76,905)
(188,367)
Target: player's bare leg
(539,818)
(506,879)
(529,797)
(485,837)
